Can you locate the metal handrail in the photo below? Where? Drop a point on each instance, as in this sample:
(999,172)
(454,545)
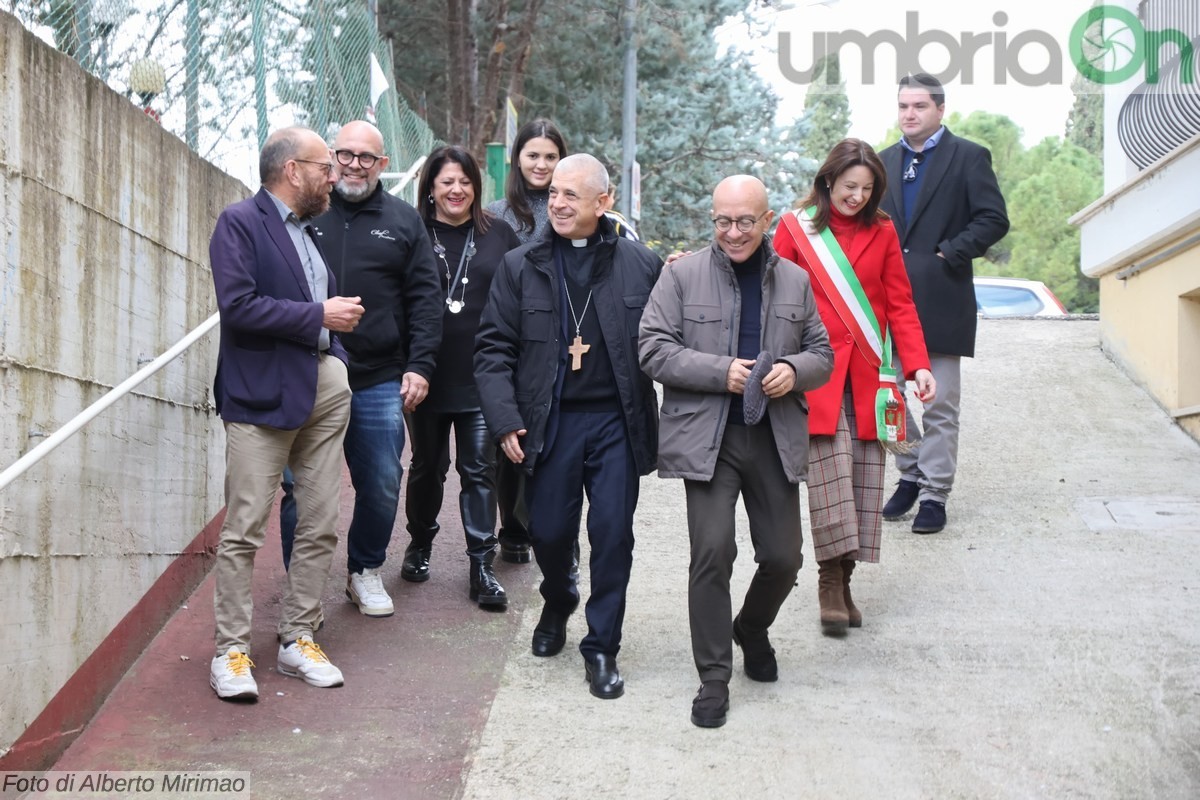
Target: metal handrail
(95,409)
(404,178)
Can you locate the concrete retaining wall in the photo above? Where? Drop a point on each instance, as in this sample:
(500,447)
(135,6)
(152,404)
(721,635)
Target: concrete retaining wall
(106,220)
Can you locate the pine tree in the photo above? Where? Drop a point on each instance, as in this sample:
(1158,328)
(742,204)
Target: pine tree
(1061,179)
(826,108)
(1085,122)
(703,113)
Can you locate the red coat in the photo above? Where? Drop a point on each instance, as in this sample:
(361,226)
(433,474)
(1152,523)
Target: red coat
(874,252)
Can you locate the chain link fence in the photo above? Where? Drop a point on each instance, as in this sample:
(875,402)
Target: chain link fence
(222,74)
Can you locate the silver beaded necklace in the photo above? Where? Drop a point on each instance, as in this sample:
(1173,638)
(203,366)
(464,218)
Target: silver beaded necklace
(460,275)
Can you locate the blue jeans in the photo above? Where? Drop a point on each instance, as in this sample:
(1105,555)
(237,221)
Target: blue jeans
(374,443)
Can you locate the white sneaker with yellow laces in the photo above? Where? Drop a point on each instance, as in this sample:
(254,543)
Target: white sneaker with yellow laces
(230,676)
(304,659)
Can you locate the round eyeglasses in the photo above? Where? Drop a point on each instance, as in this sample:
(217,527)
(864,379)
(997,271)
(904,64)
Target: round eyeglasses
(744,224)
(324,166)
(346,158)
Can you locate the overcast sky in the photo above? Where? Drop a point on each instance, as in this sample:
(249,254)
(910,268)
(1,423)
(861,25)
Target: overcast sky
(1039,28)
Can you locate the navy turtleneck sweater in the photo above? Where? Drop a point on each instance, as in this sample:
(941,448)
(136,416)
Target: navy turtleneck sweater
(749,342)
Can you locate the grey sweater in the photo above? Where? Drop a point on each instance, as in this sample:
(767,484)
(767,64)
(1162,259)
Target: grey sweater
(538,202)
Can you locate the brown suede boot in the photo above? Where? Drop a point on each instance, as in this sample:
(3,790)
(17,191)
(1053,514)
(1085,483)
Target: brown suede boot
(851,609)
(832,595)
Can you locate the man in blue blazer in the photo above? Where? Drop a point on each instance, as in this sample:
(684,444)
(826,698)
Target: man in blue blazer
(281,388)
(946,204)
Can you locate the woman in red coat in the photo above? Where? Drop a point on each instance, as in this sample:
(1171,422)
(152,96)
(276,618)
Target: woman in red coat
(846,459)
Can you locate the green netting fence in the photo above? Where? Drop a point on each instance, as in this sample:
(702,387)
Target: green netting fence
(221,74)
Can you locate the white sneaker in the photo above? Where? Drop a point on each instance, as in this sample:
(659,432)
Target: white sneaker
(230,676)
(366,591)
(304,659)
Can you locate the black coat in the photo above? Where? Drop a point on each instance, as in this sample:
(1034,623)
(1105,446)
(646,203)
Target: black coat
(521,348)
(379,251)
(959,212)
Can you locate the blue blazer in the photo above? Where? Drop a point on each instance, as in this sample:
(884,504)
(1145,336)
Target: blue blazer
(267,363)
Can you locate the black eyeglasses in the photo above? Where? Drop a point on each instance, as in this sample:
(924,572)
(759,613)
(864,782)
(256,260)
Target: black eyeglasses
(324,165)
(744,224)
(346,158)
(910,174)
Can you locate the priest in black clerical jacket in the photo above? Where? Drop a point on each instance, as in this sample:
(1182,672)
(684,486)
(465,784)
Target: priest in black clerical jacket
(557,370)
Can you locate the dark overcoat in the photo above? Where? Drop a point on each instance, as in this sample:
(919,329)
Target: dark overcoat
(960,213)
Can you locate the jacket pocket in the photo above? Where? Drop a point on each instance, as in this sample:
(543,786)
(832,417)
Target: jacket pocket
(788,333)
(537,320)
(702,327)
(635,304)
(252,379)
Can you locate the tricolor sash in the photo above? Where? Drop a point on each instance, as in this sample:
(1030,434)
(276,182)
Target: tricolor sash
(830,266)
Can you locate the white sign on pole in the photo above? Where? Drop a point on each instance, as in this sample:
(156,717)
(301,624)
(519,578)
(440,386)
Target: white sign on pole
(635,199)
(510,126)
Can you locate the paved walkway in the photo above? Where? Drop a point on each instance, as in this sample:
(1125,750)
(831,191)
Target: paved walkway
(1047,644)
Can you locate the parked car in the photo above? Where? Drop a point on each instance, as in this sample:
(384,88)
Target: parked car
(1015,297)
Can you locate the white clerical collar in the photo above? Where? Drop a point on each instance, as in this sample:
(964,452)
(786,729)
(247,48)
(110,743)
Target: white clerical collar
(585,242)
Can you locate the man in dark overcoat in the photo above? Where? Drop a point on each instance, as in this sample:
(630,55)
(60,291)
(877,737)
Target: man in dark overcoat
(945,202)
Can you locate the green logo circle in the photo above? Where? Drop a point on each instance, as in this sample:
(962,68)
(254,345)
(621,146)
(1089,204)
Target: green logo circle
(1100,51)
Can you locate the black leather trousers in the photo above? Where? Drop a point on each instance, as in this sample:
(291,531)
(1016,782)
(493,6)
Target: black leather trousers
(475,454)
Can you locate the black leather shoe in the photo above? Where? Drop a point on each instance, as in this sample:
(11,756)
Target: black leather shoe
(711,704)
(604,680)
(757,654)
(551,633)
(416,564)
(902,501)
(516,552)
(485,589)
(931,517)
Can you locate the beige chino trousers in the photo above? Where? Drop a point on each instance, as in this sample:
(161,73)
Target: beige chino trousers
(255,456)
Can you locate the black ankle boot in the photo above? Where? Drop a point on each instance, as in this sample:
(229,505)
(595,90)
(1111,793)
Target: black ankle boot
(415,568)
(485,589)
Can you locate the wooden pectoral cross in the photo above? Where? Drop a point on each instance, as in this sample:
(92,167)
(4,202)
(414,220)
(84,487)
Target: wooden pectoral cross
(577,349)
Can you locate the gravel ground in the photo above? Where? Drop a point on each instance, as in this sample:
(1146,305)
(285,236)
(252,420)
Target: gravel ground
(1046,644)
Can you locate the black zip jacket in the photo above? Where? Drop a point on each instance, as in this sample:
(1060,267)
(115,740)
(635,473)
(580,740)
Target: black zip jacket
(521,347)
(379,251)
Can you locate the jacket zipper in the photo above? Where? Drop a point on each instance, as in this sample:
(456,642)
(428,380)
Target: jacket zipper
(726,400)
(342,266)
